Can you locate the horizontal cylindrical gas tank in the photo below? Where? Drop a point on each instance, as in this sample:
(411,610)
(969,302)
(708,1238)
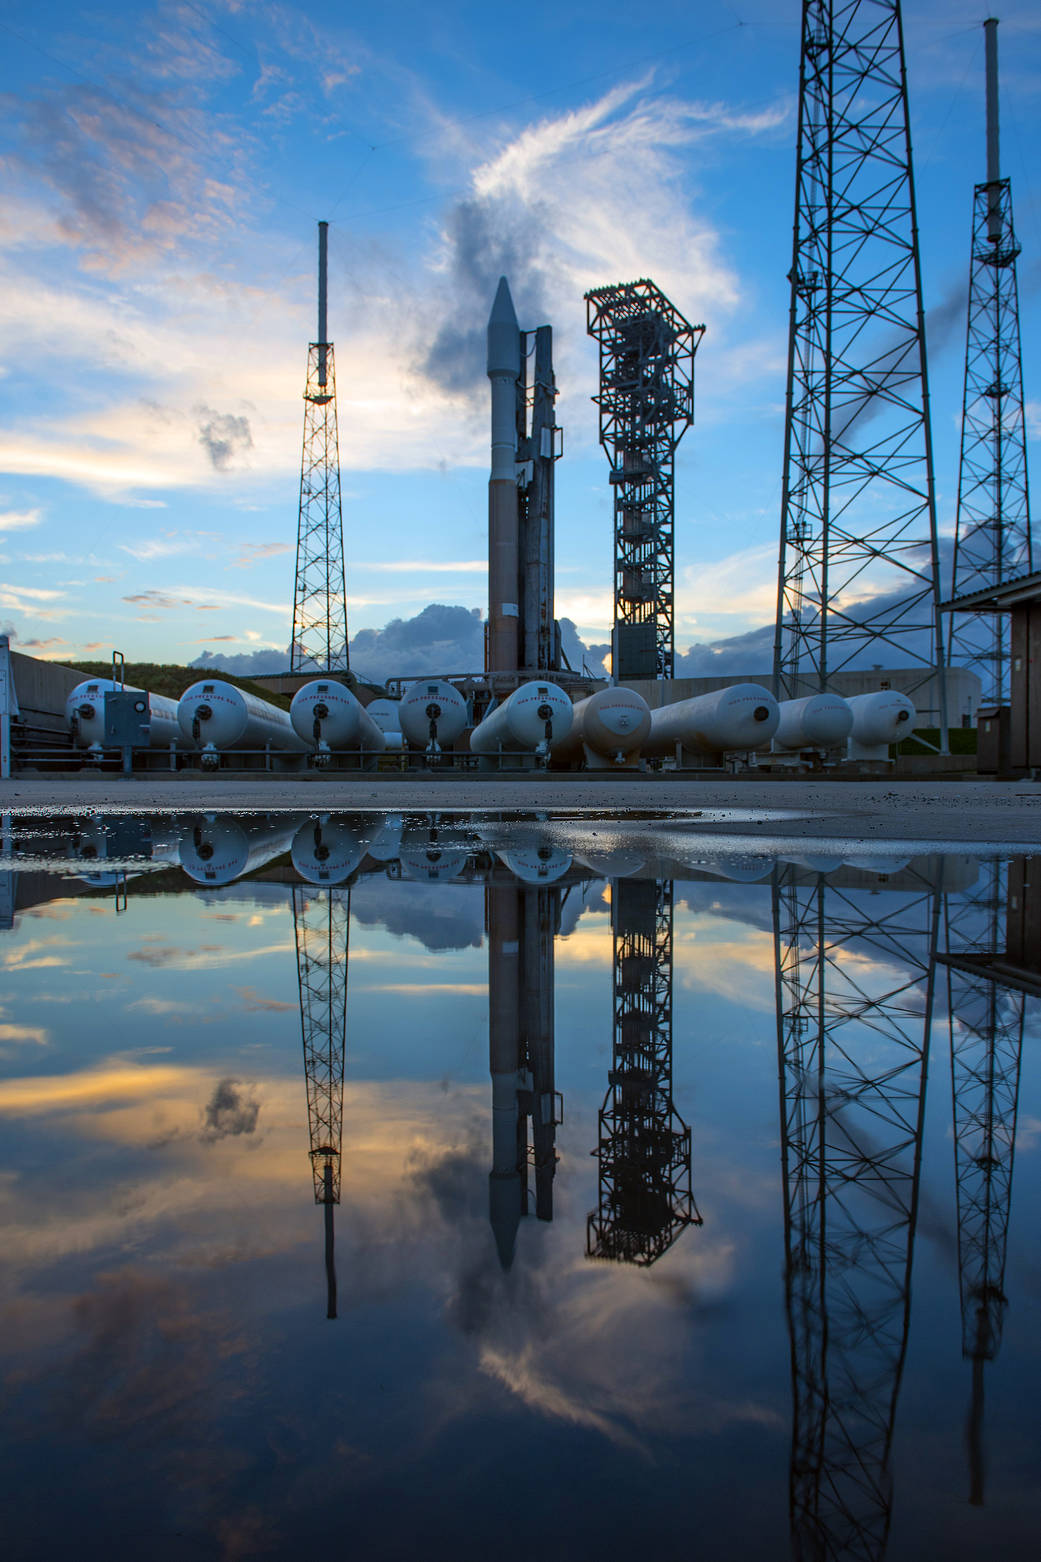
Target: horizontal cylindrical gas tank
(85,714)
(817,721)
(326,715)
(879,719)
(216,849)
(537,864)
(732,720)
(432,714)
(215,715)
(531,719)
(611,725)
(385,714)
(326,850)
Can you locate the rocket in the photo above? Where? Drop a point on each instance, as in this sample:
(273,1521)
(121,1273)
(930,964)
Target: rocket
(503,504)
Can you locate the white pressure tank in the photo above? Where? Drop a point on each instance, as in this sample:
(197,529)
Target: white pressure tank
(385,844)
(215,848)
(215,715)
(326,850)
(740,719)
(817,721)
(879,719)
(385,714)
(537,863)
(326,715)
(85,714)
(432,714)
(529,719)
(608,728)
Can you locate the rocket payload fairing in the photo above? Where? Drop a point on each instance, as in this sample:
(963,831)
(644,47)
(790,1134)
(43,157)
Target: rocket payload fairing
(503,500)
(522,632)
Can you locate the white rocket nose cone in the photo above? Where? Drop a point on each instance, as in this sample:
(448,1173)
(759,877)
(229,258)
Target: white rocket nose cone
(503,334)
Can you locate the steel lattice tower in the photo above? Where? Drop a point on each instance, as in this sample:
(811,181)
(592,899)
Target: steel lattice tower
(858,582)
(992,543)
(986,1031)
(322,923)
(320,594)
(854,975)
(646,404)
(644,1145)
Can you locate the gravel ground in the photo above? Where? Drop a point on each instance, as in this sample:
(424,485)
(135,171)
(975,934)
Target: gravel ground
(980,813)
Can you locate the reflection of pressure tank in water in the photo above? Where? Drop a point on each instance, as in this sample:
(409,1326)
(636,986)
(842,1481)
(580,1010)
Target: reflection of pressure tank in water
(538,863)
(530,719)
(432,714)
(215,849)
(429,853)
(124,840)
(385,844)
(879,719)
(85,714)
(740,719)
(608,728)
(326,850)
(326,715)
(215,715)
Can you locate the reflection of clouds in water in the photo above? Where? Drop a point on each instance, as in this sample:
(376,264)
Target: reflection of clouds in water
(255,1002)
(230,1111)
(439,916)
(555,1332)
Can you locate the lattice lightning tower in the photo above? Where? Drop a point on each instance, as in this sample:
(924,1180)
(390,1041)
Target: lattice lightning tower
(646,404)
(320,595)
(992,543)
(858,582)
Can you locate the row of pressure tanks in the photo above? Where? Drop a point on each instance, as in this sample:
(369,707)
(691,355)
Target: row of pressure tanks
(611,727)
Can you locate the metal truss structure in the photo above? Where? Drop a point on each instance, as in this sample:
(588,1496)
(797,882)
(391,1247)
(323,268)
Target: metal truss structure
(644,1145)
(854,1010)
(986,1031)
(992,543)
(646,404)
(539,446)
(322,922)
(320,593)
(858,583)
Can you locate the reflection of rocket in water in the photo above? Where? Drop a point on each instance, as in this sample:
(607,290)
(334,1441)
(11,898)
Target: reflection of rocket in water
(644,1152)
(521,922)
(322,923)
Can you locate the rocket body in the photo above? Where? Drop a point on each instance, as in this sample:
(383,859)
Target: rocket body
(503,506)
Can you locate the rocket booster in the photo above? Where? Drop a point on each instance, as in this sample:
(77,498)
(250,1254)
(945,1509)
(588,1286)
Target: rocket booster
(503,508)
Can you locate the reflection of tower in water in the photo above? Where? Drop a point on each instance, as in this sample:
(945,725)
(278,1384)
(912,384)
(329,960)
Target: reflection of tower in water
(986,1030)
(854,1008)
(522,921)
(322,922)
(645,1197)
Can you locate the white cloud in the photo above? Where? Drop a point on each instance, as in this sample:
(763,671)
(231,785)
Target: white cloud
(18,520)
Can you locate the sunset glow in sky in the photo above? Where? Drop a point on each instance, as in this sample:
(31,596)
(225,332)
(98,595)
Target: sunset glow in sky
(164,168)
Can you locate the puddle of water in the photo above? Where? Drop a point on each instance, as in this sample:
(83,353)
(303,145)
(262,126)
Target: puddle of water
(532,1187)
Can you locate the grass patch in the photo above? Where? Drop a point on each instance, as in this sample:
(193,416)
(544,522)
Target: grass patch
(962,741)
(169,679)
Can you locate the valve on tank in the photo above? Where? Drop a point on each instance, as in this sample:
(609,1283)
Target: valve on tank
(322,754)
(433,715)
(545,715)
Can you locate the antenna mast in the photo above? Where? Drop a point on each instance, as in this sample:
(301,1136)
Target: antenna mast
(320,594)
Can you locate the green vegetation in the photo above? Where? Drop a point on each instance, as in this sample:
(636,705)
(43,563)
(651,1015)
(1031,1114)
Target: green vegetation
(962,739)
(171,680)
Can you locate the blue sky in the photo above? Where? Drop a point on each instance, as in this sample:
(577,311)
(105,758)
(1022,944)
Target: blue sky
(164,167)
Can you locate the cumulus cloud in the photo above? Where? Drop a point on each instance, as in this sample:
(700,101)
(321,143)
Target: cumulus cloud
(230,1111)
(18,520)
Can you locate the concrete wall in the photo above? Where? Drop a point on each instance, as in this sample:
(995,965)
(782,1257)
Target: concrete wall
(963,689)
(42,688)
